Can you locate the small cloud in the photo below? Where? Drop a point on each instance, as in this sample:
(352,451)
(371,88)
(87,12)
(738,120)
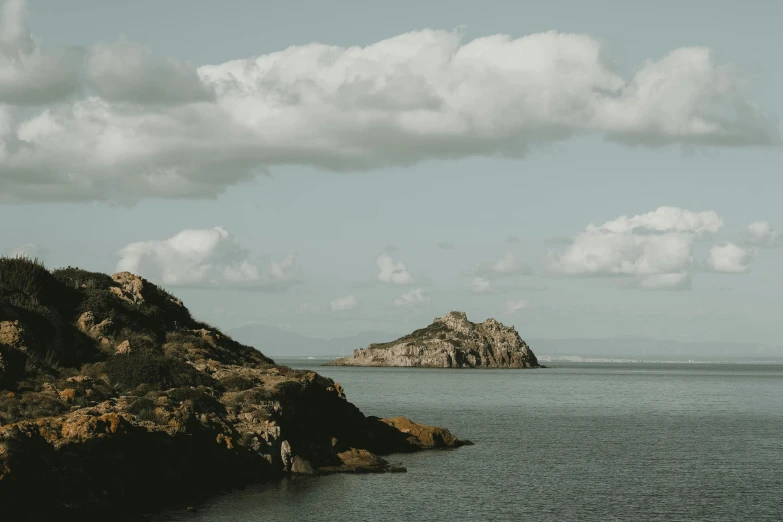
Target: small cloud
(391,248)
(729,258)
(655,249)
(673,281)
(344,303)
(444,245)
(515,306)
(763,235)
(309,308)
(414,299)
(393,272)
(30,250)
(508,265)
(513,240)
(209,257)
(481,285)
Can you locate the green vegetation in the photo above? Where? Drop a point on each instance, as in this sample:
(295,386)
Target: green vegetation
(50,364)
(145,366)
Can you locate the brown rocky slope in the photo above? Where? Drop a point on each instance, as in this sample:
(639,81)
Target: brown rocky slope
(114,399)
(450,341)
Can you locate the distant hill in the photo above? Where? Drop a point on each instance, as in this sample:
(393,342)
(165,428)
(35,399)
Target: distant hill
(276,342)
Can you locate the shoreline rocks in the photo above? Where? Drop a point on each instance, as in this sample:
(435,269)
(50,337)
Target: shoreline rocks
(114,399)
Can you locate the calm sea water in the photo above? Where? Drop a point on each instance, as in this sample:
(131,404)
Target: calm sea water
(576,442)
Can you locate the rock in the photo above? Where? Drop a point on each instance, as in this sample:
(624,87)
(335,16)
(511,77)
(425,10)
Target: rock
(68,395)
(301,466)
(103,430)
(450,341)
(130,289)
(124,347)
(429,437)
(356,460)
(11,334)
(286,455)
(97,330)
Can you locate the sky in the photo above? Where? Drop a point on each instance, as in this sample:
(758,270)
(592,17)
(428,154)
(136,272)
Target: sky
(578,170)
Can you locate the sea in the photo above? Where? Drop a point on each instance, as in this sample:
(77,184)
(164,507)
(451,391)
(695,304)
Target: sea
(576,441)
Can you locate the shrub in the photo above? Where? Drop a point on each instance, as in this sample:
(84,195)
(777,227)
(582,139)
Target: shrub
(143,408)
(237,383)
(139,367)
(34,405)
(197,398)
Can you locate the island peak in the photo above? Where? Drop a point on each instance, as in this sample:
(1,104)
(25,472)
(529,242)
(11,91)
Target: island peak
(451,341)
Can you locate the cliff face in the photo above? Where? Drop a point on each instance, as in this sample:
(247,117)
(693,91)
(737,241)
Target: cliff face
(450,341)
(113,397)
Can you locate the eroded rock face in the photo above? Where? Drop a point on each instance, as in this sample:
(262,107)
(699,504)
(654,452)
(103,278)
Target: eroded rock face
(450,341)
(127,419)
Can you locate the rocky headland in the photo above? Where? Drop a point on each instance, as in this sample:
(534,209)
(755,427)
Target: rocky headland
(450,341)
(113,399)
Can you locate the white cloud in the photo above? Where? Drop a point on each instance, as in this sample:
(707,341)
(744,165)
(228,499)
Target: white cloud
(729,258)
(413,299)
(655,248)
(481,285)
(309,307)
(393,272)
(119,124)
(763,235)
(30,250)
(515,306)
(508,265)
(205,257)
(344,303)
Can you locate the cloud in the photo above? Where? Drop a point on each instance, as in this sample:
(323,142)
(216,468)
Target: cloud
(116,123)
(444,245)
(729,258)
(513,240)
(763,235)
(413,299)
(344,303)
(30,250)
(126,71)
(393,272)
(508,265)
(206,258)
(28,75)
(309,307)
(655,248)
(515,306)
(481,285)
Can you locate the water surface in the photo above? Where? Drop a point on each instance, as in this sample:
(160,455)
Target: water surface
(593,442)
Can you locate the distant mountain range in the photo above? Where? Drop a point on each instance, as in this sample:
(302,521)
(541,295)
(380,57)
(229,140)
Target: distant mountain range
(652,348)
(277,342)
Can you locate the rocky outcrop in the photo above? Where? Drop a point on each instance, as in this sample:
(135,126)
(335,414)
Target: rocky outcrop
(450,341)
(141,406)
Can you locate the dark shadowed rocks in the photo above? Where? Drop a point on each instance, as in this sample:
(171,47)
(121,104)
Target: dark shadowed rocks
(114,399)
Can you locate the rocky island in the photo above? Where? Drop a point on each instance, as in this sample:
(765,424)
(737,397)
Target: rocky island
(450,341)
(113,399)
